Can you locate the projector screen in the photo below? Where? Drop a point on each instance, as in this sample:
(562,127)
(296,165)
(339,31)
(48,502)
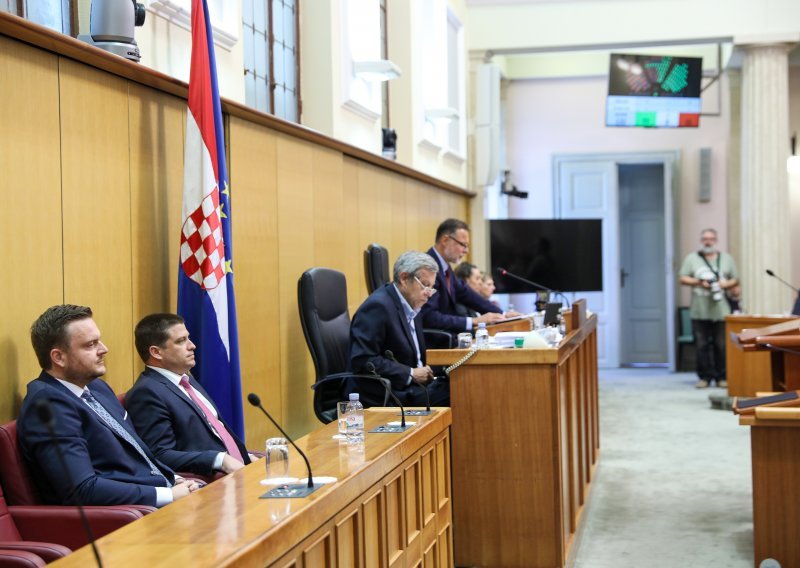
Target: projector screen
(562,254)
(654,91)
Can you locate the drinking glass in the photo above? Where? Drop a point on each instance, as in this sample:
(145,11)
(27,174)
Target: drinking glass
(277,458)
(341,415)
(464,340)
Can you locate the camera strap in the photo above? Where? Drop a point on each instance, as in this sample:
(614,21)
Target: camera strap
(719,257)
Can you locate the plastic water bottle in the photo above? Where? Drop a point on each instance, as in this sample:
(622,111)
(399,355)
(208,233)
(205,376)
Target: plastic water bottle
(355,420)
(482,336)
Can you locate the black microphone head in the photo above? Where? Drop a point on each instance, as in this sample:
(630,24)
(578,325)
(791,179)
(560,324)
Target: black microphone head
(253,399)
(370,367)
(44,411)
(770,272)
(388,354)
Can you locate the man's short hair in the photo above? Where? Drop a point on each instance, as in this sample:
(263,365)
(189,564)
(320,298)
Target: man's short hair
(49,331)
(412,262)
(153,330)
(464,270)
(704,231)
(449,227)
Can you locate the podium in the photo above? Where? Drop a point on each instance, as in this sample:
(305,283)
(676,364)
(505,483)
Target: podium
(748,372)
(525,441)
(780,342)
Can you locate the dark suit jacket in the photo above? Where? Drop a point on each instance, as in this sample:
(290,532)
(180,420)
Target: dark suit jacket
(441,311)
(173,426)
(378,325)
(104,468)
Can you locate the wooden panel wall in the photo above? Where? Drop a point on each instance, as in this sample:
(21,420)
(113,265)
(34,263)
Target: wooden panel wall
(94,169)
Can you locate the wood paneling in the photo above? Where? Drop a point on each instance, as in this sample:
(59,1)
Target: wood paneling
(156,172)
(31,228)
(253,158)
(96,201)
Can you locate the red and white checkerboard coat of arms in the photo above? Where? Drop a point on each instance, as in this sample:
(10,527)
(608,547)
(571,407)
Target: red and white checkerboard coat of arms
(202,247)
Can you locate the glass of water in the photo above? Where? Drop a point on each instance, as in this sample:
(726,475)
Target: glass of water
(277,457)
(464,340)
(341,415)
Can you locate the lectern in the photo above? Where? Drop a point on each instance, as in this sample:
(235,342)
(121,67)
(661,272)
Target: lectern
(782,342)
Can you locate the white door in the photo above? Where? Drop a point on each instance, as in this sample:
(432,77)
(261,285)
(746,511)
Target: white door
(588,190)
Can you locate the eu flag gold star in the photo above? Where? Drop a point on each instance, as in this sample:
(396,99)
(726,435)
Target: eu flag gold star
(228,267)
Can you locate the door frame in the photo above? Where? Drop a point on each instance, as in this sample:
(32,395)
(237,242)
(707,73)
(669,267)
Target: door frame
(670,160)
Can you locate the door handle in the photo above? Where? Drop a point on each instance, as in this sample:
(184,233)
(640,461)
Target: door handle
(622,276)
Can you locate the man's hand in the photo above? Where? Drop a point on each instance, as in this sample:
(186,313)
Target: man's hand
(254,457)
(183,487)
(230,464)
(422,375)
(511,314)
(488,317)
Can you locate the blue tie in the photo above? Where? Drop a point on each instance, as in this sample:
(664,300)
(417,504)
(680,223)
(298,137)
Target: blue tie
(122,432)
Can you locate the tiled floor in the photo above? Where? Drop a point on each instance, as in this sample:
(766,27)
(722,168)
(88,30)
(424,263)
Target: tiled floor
(672,488)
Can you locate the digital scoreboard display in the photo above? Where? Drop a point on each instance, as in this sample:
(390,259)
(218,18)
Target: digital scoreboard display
(654,91)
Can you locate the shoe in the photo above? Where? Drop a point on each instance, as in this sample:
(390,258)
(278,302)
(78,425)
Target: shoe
(723,384)
(701,384)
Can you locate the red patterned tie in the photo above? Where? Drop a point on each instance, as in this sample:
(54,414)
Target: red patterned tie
(447,281)
(218,426)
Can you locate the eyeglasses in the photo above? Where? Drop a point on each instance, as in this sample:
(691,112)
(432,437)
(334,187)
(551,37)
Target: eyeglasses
(427,289)
(466,246)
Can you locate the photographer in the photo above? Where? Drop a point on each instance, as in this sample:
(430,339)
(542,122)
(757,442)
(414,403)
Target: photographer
(710,273)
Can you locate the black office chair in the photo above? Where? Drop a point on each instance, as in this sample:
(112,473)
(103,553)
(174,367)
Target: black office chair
(376,267)
(322,300)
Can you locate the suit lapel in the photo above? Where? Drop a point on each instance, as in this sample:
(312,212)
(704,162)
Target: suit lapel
(402,316)
(176,391)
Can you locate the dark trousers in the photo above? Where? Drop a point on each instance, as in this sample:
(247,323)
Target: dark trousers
(709,340)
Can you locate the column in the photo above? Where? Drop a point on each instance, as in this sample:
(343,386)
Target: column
(764,183)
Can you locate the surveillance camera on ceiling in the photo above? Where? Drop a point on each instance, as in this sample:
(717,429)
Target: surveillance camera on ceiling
(112,23)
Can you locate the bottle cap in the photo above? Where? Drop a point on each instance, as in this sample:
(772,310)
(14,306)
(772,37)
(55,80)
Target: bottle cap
(482,324)
(353,396)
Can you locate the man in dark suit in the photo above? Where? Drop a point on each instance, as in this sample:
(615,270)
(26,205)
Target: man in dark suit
(442,311)
(106,461)
(389,320)
(175,415)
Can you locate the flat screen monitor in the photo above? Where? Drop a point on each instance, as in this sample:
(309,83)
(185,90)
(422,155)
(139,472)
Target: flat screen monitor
(561,254)
(654,91)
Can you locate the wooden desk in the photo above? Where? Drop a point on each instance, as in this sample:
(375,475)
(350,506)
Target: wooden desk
(522,324)
(747,373)
(776,494)
(390,507)
(525,442)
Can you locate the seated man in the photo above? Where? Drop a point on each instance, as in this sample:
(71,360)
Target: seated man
(172,411)
(106,461)
(452,243)
(387,332)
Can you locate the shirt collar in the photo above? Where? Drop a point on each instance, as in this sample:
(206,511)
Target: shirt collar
(407,309)
(443,264)
(72,387)
(174,378)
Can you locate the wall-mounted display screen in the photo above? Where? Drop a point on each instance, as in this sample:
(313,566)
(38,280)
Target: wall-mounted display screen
(654,91)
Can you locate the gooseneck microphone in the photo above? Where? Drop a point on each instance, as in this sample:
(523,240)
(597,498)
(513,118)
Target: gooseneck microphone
(389,355)
(370,368)
(782,280)
(504,272)
(254,399)
(44,412)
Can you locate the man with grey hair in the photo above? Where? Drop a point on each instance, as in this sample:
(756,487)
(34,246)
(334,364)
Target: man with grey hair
(387,332)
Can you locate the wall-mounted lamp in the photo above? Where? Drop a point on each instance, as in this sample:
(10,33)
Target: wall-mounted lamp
(377,70)
(793,163)
(444,113)
(508,188)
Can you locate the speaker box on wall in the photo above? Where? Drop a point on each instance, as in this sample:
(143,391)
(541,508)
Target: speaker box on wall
(704,185)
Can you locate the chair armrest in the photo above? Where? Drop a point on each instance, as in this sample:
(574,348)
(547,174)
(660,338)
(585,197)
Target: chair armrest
(438,339)
(62,524)
(47,551)
(10,558)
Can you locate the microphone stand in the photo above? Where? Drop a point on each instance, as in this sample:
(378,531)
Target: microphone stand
(389,355)
(504,272)
(45,414)
(796,308)
(371,370)
(289,490)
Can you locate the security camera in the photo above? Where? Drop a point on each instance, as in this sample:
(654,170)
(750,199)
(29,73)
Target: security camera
(111,27)
(508,188)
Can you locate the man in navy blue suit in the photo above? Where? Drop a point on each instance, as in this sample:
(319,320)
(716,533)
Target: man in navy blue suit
(107,463)
(175,415)
(387,331)
(442,312)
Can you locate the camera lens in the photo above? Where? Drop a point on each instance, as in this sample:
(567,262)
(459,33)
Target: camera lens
(139,21)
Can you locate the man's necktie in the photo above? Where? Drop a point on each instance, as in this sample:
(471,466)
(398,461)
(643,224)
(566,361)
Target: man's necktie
(122,432)
(219,427)
(447,281)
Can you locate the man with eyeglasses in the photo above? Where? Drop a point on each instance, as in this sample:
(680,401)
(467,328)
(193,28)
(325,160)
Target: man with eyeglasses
(386,331)
(452,243)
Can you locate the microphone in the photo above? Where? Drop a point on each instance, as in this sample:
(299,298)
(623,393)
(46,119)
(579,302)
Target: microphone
(782,280)
(44,411)
(504,272)
(389,355)
(254,399)
(371,370)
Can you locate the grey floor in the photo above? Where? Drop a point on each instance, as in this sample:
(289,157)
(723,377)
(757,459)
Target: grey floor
(673,485)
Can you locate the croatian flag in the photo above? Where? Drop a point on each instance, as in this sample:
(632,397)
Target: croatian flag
(205,278)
